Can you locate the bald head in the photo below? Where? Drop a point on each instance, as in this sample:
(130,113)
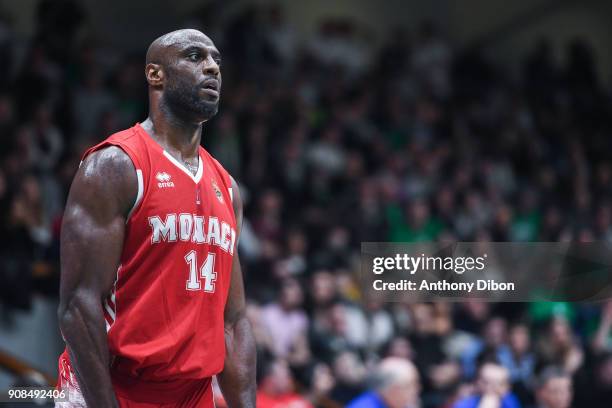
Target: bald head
(158,51)
(397,381)
(393,370)
(184,76)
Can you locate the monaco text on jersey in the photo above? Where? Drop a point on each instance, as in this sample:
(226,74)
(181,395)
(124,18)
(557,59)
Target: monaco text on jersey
(193,228)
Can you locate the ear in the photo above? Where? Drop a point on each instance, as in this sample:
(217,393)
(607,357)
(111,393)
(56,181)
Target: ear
(154,74)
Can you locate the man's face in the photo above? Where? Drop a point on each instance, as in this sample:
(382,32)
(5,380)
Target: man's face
(519,339)
(281,378)
(493,379)
(557,393)
(193,78)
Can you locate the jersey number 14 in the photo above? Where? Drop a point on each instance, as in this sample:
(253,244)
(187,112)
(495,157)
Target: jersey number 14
(207,272)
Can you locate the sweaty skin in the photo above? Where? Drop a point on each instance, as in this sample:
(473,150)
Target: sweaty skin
(179,67)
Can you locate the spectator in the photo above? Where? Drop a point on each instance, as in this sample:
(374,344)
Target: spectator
(276,388)
(394,384)
(43,141)
(517,357)
(335,143)
(285,320)
(559,347)
(350,373)
(91,100)
(554,389)
(493,339)
(492,389)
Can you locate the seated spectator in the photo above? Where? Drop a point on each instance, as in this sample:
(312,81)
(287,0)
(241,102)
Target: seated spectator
(43,140)
(319,380)
(492,389)
(379,323)
(399,347)
(602,340)
(595,391)
(493,338)
(263,338)
(340,327)
(285,320)
(431,330)
(559,346)
(603,382)
(350,373)
(394,384)
(554,389)
(276,387)
(518,358)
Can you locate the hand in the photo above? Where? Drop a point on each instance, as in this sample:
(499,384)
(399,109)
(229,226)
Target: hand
(323,381)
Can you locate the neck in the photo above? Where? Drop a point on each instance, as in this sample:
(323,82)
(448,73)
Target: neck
(179,137)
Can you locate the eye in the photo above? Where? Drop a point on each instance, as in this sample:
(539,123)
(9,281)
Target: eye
(194,56)
(218,61)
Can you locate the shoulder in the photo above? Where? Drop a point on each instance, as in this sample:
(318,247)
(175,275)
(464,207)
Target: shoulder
(110,162)
(130,140)
(127,135)
(105,177)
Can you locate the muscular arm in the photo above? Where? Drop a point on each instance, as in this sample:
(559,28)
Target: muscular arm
(102,193)
(237,380)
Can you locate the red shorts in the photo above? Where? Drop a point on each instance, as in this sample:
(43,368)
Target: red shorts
(133,393)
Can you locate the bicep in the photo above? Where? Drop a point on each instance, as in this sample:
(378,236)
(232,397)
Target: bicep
(94,223)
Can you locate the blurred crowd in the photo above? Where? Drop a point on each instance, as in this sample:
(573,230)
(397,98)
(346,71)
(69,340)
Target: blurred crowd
(338,139)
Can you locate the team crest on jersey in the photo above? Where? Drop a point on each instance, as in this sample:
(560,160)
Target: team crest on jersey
(164,180)
(217,191)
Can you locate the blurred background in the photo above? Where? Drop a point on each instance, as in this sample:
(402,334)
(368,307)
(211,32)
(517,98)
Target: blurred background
(343,121)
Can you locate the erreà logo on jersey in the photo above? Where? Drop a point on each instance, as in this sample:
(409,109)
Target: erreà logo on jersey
(164,180)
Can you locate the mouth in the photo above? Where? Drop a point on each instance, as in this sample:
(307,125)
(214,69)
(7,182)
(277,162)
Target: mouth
(211,87)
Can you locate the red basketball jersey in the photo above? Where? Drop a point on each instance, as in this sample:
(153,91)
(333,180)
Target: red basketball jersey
(164,316)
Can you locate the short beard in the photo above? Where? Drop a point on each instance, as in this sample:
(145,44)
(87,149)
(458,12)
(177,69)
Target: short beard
(183,99)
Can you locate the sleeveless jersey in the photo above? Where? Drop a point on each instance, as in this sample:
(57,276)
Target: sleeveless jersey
(165,313)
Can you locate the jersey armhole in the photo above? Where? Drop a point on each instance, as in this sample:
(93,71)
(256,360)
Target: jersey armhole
(139,195)
(135,163)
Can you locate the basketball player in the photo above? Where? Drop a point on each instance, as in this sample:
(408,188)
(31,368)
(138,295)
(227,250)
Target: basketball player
(152,300)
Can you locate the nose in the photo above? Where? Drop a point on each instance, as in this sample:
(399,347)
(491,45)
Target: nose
(211,67)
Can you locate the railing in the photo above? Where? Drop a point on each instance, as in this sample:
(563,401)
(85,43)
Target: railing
(25,371)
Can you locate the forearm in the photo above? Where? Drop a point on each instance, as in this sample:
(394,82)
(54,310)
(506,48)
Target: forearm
(237,381)
(83,328)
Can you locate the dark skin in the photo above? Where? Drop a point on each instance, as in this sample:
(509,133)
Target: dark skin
(184,80)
